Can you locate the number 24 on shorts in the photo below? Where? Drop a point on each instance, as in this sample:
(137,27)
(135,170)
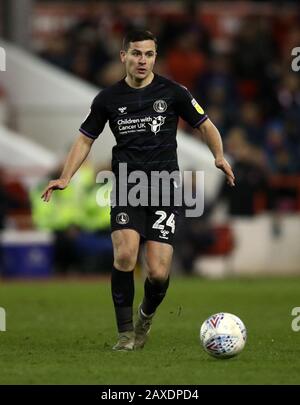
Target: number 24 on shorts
(162,216)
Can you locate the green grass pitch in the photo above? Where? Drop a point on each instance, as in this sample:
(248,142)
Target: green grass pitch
(62,332)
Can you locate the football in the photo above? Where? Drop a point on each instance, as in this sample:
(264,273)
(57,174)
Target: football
(223,335)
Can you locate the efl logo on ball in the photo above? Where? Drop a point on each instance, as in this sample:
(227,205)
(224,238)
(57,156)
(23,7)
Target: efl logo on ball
(223,335)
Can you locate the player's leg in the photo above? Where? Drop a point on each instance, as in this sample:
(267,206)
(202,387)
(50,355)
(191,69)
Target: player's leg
(126,247)
(158,263)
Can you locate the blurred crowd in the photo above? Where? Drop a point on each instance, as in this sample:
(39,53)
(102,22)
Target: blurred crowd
(248,88)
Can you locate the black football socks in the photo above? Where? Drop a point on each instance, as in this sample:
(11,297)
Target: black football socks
(122,289)
(155,292)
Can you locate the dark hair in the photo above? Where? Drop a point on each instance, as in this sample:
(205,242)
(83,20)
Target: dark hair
(138,35)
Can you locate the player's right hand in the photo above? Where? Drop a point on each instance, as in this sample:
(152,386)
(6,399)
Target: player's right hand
(59,184)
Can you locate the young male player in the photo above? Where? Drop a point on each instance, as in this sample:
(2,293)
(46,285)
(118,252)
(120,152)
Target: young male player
(142,110)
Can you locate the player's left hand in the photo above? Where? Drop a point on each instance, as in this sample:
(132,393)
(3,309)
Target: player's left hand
(222,164)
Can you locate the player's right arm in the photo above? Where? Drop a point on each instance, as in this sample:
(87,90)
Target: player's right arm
(76,157)
(90,129)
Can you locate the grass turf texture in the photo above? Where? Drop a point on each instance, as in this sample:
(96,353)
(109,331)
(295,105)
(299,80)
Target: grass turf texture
(62,333)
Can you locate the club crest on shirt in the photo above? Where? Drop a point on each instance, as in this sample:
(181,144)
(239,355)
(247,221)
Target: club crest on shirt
(156,123)
(122,218)
(160,106)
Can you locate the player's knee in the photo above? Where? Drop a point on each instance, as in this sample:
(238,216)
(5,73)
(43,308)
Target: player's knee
(158,271)
(125,259)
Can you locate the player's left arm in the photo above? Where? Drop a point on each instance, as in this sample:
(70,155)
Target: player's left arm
(211,136)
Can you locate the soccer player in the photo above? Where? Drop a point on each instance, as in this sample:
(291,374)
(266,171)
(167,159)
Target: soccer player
(142,110)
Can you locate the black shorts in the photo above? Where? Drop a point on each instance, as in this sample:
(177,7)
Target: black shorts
(157,221)
(152,223)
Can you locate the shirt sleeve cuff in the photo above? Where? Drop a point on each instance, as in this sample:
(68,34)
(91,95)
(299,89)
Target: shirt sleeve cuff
(204,118)
(86,133)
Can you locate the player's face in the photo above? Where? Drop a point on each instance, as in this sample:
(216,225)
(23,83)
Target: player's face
(139,59)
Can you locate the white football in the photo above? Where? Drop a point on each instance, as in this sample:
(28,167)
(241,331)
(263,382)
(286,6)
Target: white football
(223,335)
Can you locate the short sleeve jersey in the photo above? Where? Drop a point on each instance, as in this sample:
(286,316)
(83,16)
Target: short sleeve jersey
(144,122)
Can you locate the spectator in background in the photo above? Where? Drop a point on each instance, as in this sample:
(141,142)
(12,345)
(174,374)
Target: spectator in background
(251,121)
(288,96)
(251,174)
(13,199)
(185,61)
(218,74)
(254,50)
(81,227)
(174,28)
(89,53)
(281,157)
(217,87)
(57,51)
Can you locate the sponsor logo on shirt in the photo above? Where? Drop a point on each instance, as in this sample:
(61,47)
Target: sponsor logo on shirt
(156,123)
(122,110)
(197,106)
(131,125)
(160,106)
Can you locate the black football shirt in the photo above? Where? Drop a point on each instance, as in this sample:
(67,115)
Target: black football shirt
(144,122)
